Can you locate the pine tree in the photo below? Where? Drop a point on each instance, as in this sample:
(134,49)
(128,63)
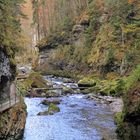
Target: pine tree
(10,14)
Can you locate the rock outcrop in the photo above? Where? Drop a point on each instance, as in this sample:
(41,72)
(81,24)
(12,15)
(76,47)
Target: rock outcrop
(7,73)
(129,120)
(49,101)
(52,109)
(12,120)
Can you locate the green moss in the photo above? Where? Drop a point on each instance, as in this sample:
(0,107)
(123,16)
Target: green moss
(87,82)
(119,121)
(133,78)
(111,87)
(35,80)
(119,118)
(53,109)
(105,87)
(4,117)
(132,101)
(23,86)
(12,62)
(9,51)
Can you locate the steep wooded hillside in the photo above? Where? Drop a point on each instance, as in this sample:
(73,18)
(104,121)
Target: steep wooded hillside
(101,41)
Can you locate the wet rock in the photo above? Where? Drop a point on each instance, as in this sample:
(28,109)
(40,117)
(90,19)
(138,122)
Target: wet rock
(51,110)
(117,105)
(52,94)
(43,94)
(67,90)
(49,101)
(73,105)
(47,94)
(24,69)
(66,80)
(43,113)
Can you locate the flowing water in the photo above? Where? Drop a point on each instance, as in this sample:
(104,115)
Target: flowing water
(79,119)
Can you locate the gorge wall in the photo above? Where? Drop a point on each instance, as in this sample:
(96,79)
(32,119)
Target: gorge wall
(12,121)
(102,42)
(6,75)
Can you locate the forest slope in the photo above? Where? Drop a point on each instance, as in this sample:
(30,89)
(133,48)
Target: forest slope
(103,44)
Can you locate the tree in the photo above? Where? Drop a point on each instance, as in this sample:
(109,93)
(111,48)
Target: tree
(10,14)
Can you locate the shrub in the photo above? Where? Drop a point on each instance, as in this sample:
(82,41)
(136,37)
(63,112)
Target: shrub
(133,78)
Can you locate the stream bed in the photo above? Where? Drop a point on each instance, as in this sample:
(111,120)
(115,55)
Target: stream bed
(78,119)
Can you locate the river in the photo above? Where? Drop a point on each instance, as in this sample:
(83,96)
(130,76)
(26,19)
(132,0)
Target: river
(79,119)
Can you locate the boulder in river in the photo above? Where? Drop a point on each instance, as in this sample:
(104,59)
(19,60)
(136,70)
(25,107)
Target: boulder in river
(51,110)
(50,94)
(47,94)
(49,101)
(68,90)
(87,82)
(67,80)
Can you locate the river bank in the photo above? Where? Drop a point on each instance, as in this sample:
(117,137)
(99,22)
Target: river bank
(81,117)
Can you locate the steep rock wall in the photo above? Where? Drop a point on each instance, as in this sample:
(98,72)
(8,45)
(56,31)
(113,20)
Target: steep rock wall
(12,121)
(5,75)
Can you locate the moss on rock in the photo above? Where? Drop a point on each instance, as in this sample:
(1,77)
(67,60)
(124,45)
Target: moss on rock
(128,121)
(49,101)
(37,80)
(87,82)
(112,87)
(51,110)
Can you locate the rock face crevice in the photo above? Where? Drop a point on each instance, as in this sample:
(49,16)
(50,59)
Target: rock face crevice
(5,75)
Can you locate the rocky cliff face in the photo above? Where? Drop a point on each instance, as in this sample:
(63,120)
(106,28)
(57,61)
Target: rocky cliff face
(6,75)
(12,120)
(129,120)
(56,51)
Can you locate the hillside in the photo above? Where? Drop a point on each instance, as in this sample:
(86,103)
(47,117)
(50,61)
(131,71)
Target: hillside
(100,42)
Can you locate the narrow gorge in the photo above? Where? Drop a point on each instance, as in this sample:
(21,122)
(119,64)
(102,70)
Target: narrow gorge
(69,70)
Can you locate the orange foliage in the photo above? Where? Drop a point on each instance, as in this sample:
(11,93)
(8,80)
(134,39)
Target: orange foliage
(112,76)
(131,1)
